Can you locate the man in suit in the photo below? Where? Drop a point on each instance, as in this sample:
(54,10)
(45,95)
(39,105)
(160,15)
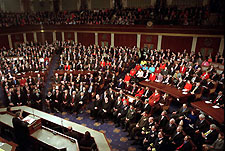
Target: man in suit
(105,110)
(65,101)
(57,99)
(80,103)
(209,136)
(96,106)
(116,107)
(183,111)
(135,128)
(217,145)
(162,119)
(150,137)
(21,131)
(177,138)
(129,118)
(121,114)
(159,144)
(73,100)
(186,145)
(170,127)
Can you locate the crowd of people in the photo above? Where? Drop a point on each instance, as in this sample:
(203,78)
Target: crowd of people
(126,16)
(22,72)
(137,109)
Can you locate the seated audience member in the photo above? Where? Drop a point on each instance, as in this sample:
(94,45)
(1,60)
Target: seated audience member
(177,138)
(87,141)
(152,77)
(217,99)
(170,127)
(187,87)
(162,120)
(159,78)
(135,128)
(210,136)
(127,78)
(186,145)
(72,102)
(150,137)
(80,103)
(218,144)
(129,118)
(70,132)
(183,111)
(154,98)
(121,114)
(159,144)
(65,101)
(104,111)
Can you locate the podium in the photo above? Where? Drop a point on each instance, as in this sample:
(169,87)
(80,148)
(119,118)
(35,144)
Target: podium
(34,123)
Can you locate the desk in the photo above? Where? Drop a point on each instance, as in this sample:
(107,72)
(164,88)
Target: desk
(174,92)
(216,114)
(100,139)
(74,72)
(8,146)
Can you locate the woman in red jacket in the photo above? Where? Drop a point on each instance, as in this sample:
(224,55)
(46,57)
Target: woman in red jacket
(152,77)
(188,86)
(127,78)
(140,92)
(157,70)
(205,75)
(154,98)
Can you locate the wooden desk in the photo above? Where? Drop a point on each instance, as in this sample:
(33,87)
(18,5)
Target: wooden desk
(100,139)
(8,146)
(174,92)
(216,114)
(31,73)
(74,72)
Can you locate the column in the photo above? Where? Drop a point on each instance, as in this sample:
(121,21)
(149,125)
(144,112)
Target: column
(78,4)
(138,40)
(112,39)
(221,49)
(96,38)
(169,2)
(10,41)
(60,5)
(75,37)
(124,3)
(159,42)
(153,3)
(111,3)
(54,36)
(35,37)
(32,5)
(51,5)
(21,6)
(89,4)
(24,37)
(63,38)
(194,42)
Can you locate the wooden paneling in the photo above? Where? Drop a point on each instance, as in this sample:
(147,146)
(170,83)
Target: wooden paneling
(86,38)
(69,36)
(4,41)
(48,36)
(104,38)
(30,37)
(176,44)
(149,40)
(17,39)
(59,36)
(208,44)
(40,37)
(129,40)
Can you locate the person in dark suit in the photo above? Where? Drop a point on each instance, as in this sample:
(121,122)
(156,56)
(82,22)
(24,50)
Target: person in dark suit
(121,114)
(96,106)
(150,138)
(129,118)
(170,127)
(183,111)
(37,100)
(105,110)
(72,102)
(70,132)
(116,107)
(135,128)
(159,144)
(177,138)
(21,131)
(209,136)
(218,144)
(186,145)
(80,103)
(162,120)
(87,141)
(57,99)
(65,101)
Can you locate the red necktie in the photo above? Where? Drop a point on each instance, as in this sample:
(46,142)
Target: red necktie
(72,99)
(216,99)
(180,146)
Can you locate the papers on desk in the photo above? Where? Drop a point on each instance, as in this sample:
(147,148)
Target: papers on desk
(216,107)
(130,99)
(29,119)
(208,102)
(184,93)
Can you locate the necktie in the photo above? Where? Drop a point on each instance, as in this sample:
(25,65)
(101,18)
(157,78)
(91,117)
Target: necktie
(208,132)
(217,99)
(180,146)
(73,99)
